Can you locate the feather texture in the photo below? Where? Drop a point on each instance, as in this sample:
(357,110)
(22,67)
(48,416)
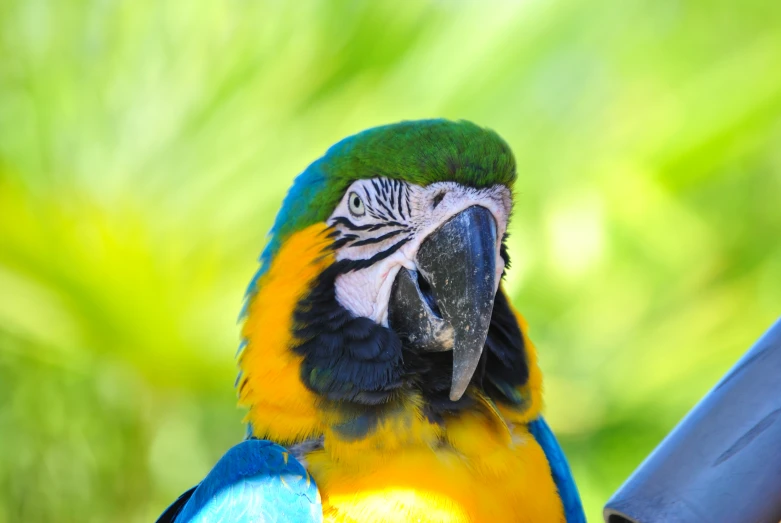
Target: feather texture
(573,509)
(255,482)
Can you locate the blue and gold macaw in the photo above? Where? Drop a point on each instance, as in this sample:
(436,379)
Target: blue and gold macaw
(386,375)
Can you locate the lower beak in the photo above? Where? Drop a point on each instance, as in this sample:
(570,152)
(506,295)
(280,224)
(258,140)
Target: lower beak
(447,303)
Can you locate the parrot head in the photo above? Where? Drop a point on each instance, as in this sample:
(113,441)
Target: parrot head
(379,288)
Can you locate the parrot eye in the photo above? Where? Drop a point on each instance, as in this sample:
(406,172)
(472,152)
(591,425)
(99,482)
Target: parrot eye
(356,205)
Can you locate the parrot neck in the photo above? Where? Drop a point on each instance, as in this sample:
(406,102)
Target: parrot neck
(474,465)
(310,369)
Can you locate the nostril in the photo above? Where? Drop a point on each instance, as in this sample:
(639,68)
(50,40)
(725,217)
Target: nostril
(437,199)
(428,294)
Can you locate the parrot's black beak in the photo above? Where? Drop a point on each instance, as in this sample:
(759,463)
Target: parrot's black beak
(447,303)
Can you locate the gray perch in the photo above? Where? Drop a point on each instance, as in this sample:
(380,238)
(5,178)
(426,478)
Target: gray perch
(722,463)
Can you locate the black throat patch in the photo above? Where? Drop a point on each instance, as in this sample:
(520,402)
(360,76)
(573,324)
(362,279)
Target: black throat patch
(363,369)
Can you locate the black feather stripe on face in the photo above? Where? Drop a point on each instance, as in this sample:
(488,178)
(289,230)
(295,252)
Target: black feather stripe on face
(377,239)
(340,220)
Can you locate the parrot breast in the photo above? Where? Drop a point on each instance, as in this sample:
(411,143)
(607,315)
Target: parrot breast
(478,470)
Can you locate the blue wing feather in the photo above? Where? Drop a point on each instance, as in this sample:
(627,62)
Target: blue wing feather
(573,508)
(256,481)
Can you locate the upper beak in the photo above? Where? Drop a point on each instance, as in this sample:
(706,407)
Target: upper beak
(447,304)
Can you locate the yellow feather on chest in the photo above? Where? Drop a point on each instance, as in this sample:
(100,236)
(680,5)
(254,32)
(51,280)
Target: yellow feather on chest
(478,472)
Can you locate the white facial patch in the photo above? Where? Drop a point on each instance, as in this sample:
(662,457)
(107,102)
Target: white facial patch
(383,222)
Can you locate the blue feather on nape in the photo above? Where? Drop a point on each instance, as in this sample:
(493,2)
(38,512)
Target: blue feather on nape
(256,481)
(562,476)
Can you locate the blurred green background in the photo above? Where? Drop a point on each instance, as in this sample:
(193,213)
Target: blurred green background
(145,147)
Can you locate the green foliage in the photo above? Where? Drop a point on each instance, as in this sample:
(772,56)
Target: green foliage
(145,147)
